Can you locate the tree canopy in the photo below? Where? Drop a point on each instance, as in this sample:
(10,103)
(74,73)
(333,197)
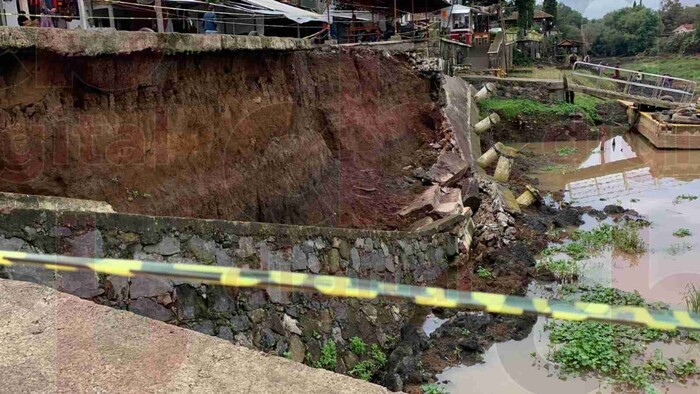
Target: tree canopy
(627,31)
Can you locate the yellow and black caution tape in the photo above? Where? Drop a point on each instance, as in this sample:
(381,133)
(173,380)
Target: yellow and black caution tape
(362,288)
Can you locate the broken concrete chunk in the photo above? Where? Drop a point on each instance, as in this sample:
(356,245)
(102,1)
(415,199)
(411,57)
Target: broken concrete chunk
(505,150)
(502,172)
(507,199)
(427,200)
(419,224)
(449,168)
(450,203)
(487,158)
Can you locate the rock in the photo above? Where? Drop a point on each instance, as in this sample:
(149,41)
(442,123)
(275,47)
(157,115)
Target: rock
(333,261)
(31,274)
(202,250)
(389,264)
(448,169)
(205,327)
(277,295)
(86,245)
(420,224)
(613,210)
(299,259)
(506,199)
(266,338)
(225,333)
(297,350)
(291,325)
(350,360)
(257,315)
(355,259)
(256,299)
(243,340)
(82,284)
(337,335)
(149,287)
(222,258)
(426,201)
(314,264)
(246,247)
(239,323)
(449,203)
(344,250)
(11,244)
(190,303)
(119,287)
(168,246)
(369,245)
(151,309)
(567,217)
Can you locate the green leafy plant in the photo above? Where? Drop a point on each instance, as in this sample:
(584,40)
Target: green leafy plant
(692,298)
(329,356)
(682,232)
(465,332)
(678,248)
(562,269)
(484,273)
(357,346)
(684,197)
(611,350)
(366,369)
(566,151)
(432,388)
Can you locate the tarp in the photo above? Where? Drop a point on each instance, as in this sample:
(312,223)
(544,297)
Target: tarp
(272,7)
(457,9)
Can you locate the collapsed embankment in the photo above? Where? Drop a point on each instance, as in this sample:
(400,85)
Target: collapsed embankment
(303,137)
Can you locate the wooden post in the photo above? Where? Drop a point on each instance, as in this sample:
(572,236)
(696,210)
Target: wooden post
(159,15)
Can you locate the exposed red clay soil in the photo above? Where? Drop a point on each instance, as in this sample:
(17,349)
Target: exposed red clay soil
(296,137)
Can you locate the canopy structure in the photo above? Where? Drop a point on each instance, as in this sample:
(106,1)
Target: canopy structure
(458,9)
(418,6)
(272,7)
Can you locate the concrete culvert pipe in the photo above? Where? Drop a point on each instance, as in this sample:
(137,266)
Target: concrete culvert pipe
(485,124)
(487,158)
(502,172)
(485,92)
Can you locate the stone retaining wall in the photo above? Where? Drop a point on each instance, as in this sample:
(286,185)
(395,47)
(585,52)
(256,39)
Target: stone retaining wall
(543,90)
(295,324)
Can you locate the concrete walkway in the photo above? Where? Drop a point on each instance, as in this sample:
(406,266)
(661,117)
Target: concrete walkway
(54,342)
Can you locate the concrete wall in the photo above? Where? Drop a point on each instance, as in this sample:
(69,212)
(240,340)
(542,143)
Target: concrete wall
(95,43)
(291,323)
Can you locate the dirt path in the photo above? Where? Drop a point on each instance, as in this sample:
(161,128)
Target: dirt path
(53,343)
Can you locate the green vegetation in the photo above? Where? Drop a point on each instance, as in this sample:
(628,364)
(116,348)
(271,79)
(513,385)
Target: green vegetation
(692,298)
(432,388)
(357,346)
(682,232)
(511,108)
(484,273)
(329,355)
(564,269)
(612,350)
(682,67)
(585,244)
(566,151)
(684,197)
(678,248)
(366,369)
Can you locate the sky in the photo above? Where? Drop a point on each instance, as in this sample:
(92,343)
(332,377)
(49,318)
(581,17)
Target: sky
(593,9)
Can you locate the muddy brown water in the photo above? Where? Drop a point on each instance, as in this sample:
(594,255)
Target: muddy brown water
(637,176)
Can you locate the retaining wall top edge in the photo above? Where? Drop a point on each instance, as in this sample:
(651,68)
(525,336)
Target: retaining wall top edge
(132,222)
(79,42)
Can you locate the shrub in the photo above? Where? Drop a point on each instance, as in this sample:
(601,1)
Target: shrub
(357,346)
(329,356)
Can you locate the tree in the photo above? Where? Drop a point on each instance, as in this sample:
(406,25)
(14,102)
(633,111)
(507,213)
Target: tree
(697,27)
(627,31)
(569,22)
(526,11)
(550,7)
(671,13)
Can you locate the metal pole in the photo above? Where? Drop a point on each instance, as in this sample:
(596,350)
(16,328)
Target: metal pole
(396,21)
(110,11)
(83,14)
(159,15)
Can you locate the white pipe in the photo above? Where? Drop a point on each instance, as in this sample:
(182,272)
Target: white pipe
(83,14)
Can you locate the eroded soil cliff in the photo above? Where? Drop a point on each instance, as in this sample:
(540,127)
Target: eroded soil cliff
(293,137)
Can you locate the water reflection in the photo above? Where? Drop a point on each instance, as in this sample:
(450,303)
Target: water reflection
(637,176)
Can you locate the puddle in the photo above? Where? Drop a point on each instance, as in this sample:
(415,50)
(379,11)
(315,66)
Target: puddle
(636,176)
(432,323)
